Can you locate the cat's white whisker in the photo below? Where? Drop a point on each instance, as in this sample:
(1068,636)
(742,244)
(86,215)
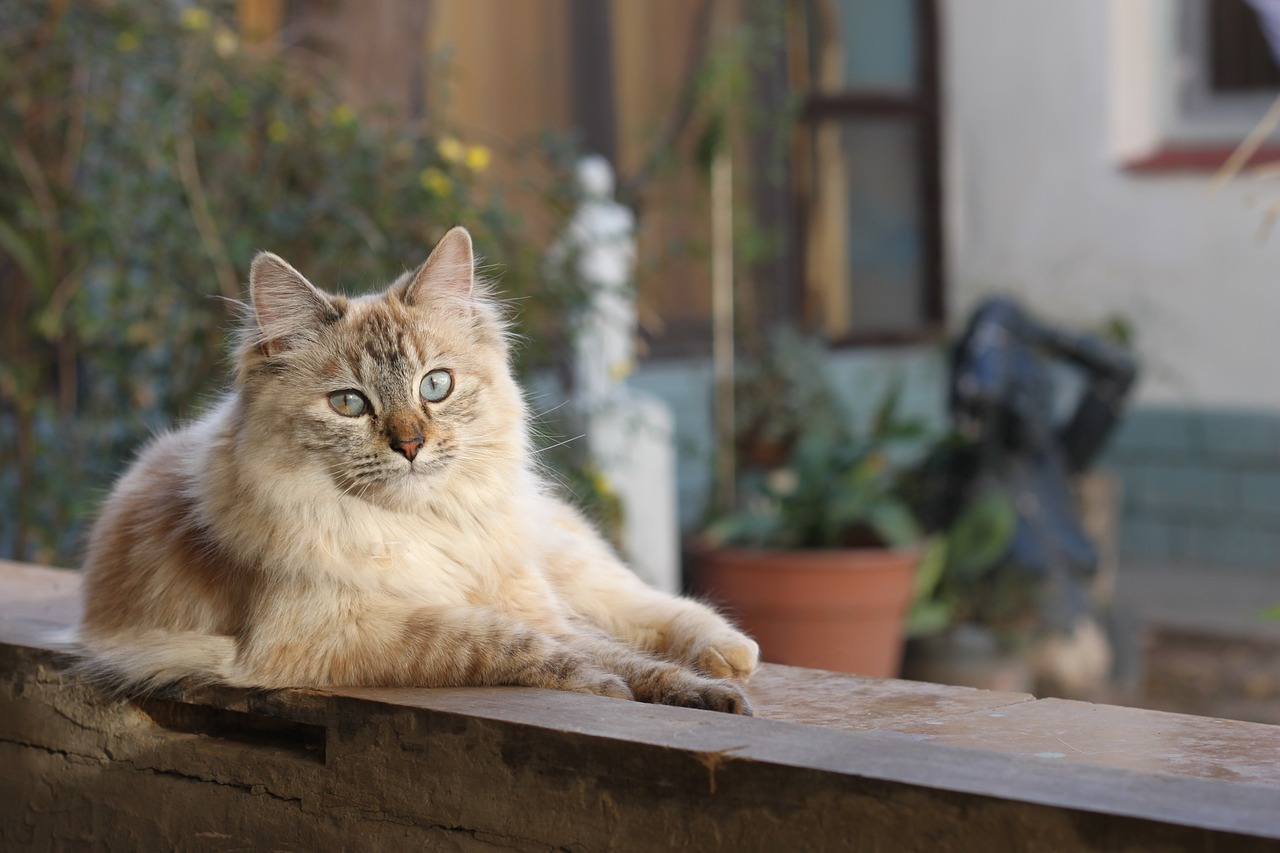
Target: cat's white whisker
(555,408)
(569,440)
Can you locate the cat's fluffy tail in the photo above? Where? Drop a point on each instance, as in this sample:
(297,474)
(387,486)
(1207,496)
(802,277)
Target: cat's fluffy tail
(150,659)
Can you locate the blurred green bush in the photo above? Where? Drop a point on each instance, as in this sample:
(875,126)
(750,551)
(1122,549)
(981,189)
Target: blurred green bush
(146,154)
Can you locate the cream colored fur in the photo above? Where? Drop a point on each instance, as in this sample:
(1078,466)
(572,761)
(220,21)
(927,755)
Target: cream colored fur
(276,542)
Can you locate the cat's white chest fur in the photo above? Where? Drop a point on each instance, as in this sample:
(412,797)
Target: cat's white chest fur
(429,559)
(452,557)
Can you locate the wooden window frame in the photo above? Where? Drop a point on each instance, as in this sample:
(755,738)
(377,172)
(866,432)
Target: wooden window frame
(923,109)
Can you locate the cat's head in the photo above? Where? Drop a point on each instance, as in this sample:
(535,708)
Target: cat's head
(395,397)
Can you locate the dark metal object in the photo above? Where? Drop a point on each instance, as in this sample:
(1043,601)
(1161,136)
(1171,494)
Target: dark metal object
(1002,400)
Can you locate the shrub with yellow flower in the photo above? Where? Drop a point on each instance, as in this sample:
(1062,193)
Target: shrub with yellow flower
(342,115)
(451,150)
(195,18)
(435,181)
(225,42)
(277,130)
(285,162)
(478,158)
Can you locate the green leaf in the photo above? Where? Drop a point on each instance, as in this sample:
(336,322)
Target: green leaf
(893,522)
(710,142)
(743,528)
(24,256)
(887,412)
(901,431)
(927,618)
(929,571)
(981,535)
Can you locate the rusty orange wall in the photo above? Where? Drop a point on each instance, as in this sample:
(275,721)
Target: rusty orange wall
(507,79)
(652,43)
(500,69)
(497,73)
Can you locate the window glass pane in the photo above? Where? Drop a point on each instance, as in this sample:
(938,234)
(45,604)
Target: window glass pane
(1225,77)
(884,235)
(864,44)
(1239,57)
(867,241)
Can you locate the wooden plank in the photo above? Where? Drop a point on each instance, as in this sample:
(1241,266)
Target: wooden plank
(840,760)
(858,703)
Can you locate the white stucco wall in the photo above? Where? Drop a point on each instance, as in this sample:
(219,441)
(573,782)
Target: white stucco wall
(1039,206)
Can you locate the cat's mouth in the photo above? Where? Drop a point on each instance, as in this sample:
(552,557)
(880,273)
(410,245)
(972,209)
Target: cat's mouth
(375,481)
(423,467)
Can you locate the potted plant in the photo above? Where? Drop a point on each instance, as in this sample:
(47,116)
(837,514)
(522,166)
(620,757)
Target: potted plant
(973,616)
(978,618)
(817,560)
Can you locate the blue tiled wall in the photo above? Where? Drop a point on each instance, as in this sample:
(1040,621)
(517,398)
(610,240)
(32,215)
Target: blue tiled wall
(1202,486)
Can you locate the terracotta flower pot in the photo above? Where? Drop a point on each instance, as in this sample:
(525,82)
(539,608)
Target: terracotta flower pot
(841,610)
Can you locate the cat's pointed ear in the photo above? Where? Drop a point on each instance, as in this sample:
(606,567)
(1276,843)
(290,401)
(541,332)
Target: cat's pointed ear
(286,307)
(449,270)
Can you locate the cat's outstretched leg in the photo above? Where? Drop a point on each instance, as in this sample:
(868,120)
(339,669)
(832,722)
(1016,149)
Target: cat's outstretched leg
(377,644)
(663,682)
(597,586)
(682,630)
(716,648)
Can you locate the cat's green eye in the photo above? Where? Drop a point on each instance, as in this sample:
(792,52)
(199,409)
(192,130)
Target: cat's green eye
(348,403)
(436,385)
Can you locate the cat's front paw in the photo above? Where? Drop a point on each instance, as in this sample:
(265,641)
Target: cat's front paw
(707,694)
(727,697)
(728,655)
(598,682)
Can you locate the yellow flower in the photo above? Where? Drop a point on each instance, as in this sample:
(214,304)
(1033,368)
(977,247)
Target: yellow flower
(600,481)
(478,158)
(128,42)
(435,181)
(451,150)
(620,370)
(277,130)
(342,115)
(195,18)
(225,42)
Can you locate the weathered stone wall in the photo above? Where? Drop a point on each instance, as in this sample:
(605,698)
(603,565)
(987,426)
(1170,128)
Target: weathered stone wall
(87,772)
(830,762)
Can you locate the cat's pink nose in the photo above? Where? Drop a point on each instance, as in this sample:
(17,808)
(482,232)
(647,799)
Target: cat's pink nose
(407,447)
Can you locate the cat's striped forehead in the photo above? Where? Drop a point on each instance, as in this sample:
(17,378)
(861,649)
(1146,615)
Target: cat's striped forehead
(385,333)
(381,340)
(377,341)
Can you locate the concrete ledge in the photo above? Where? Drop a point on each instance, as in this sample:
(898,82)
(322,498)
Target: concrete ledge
(831,761)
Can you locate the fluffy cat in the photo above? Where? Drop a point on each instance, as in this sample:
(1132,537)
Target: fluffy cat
(363,509)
